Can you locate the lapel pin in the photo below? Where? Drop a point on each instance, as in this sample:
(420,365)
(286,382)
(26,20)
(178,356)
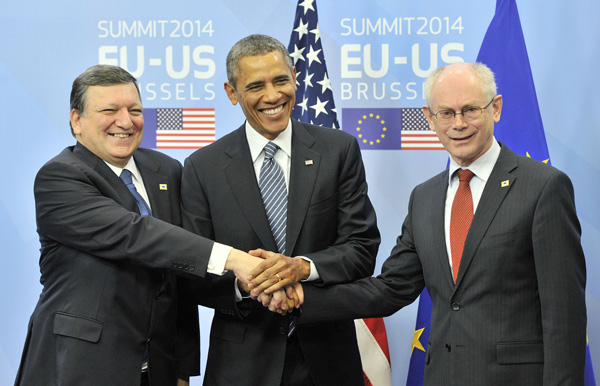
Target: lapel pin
(505,183)
(162,186)
(308,162)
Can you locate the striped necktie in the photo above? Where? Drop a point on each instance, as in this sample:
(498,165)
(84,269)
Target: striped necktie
(274,194)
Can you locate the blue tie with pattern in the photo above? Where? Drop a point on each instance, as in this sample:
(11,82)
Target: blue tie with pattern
(142,205)
(274,194)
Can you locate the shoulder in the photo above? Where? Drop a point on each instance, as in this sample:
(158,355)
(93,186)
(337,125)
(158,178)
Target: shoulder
(154,157)
(322,132)
(231,142)
(327,141)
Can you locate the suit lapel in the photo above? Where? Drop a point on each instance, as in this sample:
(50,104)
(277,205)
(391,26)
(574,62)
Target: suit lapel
(496,189)
(241,178)
(120,193)
(438,206)
(303,176)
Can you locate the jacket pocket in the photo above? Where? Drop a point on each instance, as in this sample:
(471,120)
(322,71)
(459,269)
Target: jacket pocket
(508,353)
(77,327)
(228,329)
(500,238)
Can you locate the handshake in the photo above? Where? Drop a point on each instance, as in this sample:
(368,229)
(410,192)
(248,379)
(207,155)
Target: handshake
(271,278)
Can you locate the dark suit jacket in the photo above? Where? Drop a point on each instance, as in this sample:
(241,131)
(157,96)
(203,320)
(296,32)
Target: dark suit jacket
(330,220)
(109,292)
(517,314)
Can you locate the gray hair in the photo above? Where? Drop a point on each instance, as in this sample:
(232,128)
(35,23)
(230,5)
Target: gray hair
(253,45)
(483,72)
(98,75)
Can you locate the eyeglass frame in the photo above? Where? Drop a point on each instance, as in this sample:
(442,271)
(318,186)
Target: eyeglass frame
(462,112)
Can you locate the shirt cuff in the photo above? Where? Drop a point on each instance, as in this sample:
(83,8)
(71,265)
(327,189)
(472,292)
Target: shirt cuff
(314,274)
(218,257)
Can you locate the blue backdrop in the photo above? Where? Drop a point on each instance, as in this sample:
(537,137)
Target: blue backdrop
(378,53)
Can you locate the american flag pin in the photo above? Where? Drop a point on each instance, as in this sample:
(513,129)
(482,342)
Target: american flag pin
(308,162)
(162,186)
(505,183)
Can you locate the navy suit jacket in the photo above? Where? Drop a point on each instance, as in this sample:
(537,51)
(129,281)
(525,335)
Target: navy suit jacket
(109,293)
(517,314)
(330,220)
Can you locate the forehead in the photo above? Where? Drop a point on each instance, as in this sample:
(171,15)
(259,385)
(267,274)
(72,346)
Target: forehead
(125,93)
(270,64)
(457,88)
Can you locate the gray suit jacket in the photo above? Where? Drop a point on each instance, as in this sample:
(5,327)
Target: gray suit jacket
(517,314)
(109,291)
(330,220)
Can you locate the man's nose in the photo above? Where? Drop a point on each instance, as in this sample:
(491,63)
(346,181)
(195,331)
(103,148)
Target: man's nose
(271,93)
(124,119)
(459,121)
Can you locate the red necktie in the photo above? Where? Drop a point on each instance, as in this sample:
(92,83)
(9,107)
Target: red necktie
(460,218)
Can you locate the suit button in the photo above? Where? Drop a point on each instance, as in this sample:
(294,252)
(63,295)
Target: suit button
(192,267)
(282,330)
(455,306)
(174,264)
(448,348)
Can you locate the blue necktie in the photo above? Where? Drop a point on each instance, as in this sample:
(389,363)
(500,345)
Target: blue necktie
(274,194)
(142,205)
(144,211)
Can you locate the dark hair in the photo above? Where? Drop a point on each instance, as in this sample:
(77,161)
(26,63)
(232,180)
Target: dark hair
(98,75)
(253,45)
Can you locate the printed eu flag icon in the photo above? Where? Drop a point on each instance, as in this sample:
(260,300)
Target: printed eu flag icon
(376,129)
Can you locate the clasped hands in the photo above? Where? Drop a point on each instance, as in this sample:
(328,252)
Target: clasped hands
(274,281)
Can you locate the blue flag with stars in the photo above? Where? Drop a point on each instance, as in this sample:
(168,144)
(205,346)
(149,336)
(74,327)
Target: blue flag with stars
(503,50)
(314,95)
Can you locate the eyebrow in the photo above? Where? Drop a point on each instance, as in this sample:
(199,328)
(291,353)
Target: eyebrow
(470,104)
(260,82)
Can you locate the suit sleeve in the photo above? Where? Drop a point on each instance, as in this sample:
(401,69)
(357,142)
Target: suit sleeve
(351,254)
(217,292)
(561,275)
(74,208)
(400,283)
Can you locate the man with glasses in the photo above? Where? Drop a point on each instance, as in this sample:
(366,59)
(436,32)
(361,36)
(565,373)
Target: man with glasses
(495,239)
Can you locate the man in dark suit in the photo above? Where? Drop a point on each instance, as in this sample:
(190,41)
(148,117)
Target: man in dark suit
(509,309)
(331,229)
(109,312)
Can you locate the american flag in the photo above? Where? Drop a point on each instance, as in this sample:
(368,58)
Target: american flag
(185,128)
(314,104)
(314,96)
(415,133)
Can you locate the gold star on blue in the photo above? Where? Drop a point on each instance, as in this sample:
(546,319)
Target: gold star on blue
(416,343)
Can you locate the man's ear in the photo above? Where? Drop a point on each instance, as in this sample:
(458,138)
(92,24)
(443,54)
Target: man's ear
(231,93)
(76,121)
(497,105)
(428,116)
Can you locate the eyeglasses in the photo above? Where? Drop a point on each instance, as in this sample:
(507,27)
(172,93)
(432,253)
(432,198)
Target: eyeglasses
(468,112)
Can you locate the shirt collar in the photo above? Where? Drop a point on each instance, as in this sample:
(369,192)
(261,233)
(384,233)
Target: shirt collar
(131,166)
(257,142)
(482,166)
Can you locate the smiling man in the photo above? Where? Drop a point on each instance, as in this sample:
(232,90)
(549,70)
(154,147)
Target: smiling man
(322,225)
(496,240)
(108,217)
